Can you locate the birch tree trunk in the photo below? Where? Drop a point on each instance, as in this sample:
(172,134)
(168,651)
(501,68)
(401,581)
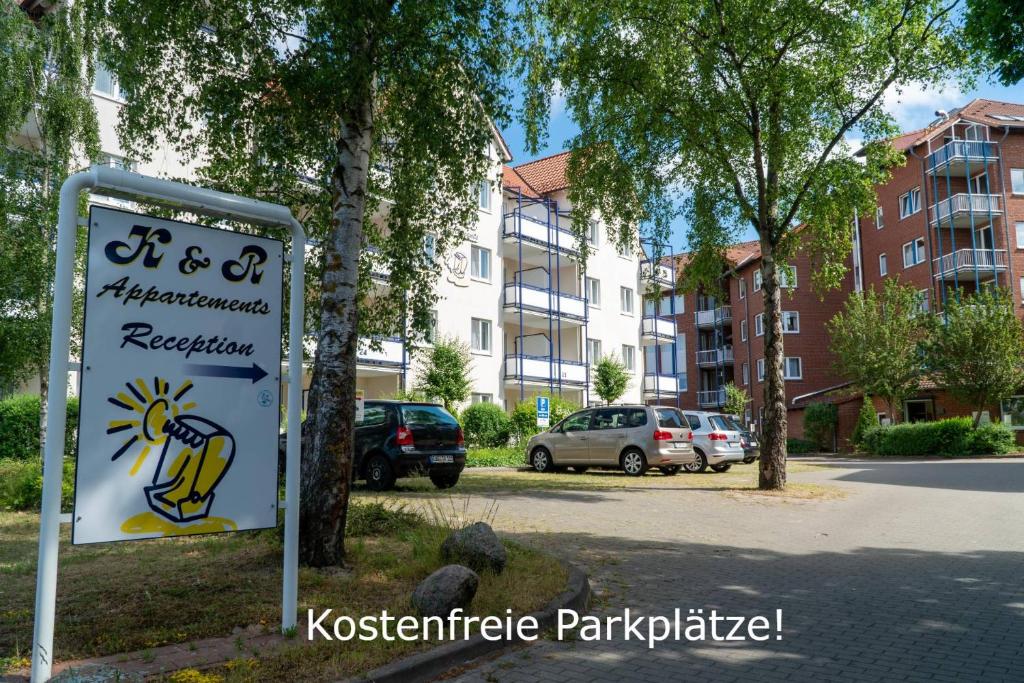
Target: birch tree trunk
(328,442)
(772,473)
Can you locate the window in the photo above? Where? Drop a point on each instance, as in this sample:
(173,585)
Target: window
(481,336)
(484,192)
(481,398)
(792,368)
(580,422)
(1012,410)
(626,300)
(431,336)
(746,374)
(373,415)
(757,280)
(593,234)
(879,218)
(1017,180)
(650,307)
(924,301)
(785,273)
(105,82)
(743,330)
(481,263)
(1022,289)
(910,203)
(666,305)
(883,265)
(790,322)
(626,251)
(594,292)
(743,288)
(913,252)
(594,350)
(681,360)
(611,418)
(1020,234)
(430,247)
(115,161)
(760,369)
(759,324)
(629,357)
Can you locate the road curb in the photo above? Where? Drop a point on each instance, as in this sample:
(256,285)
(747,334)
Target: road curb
(425,666)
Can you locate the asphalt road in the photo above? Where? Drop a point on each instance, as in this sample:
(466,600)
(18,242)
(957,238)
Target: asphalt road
(915,573)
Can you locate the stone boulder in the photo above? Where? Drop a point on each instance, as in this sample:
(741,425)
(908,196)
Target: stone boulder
(477,547)
(449,587)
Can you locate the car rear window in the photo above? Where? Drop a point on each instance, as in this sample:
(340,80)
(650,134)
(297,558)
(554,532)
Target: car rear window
(671,418)
(720,422)
(427,415)
(373,416)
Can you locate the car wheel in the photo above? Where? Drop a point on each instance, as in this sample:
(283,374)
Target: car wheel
(747,461)
(634,463)
(541,460)
(580,469)
(379,474)
(699,464)
(444,481)
(670,470)
(724,467)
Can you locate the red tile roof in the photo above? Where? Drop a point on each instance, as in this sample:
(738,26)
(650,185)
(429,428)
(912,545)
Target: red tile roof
(513,181)
(547,174)
(976,111)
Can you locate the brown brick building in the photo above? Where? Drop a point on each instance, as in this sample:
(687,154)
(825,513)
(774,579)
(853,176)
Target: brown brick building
(951,218)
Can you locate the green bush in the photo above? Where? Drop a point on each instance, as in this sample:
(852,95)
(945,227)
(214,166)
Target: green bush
(21,484)
(866,419)
(951,436)
(19,427)
(524,417)
(380,519)
(486,424)
(508,456)
(819,424)
(795,446)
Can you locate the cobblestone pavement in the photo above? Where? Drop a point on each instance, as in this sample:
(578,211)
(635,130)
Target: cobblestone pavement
(916,574)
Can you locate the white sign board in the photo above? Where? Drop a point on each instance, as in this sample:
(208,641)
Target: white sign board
(180,401)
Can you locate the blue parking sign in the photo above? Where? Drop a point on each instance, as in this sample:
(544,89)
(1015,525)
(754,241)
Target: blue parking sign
(543,411)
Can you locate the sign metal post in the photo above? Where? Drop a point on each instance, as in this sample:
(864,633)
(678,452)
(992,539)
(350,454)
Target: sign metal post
(199,432)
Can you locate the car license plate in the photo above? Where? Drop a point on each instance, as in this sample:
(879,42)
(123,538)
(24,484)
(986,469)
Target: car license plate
(734,444)
(681,444)
(440,459)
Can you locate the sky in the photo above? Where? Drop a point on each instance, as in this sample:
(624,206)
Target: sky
(912,108)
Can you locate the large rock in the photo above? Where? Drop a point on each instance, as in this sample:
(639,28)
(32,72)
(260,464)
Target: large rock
(477,547)
(449,587)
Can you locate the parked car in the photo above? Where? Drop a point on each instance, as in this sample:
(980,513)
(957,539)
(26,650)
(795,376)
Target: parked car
(633,438)
(748,440)
(398,439)
(716,442)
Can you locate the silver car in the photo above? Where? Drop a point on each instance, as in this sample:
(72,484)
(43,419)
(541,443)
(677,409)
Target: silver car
(631,437)
(716,442)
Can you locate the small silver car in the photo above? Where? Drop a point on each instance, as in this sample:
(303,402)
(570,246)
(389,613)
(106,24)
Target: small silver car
(716,442)
(631,437)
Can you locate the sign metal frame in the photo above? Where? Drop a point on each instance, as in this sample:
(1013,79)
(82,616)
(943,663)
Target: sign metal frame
(118,183)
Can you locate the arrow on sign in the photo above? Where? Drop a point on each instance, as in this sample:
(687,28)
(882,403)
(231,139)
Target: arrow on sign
(255,373)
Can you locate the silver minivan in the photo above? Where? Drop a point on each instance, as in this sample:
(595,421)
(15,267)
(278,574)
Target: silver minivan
(633,438)
(716,442)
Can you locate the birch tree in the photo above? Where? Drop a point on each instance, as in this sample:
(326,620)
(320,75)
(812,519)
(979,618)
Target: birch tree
(738,111)
(369,119)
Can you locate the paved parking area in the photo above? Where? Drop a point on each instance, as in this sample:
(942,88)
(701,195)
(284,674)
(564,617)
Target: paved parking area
(917,573)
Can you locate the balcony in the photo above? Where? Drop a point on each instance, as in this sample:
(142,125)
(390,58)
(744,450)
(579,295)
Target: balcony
(390,355)
(963,262)
(539,301)
(713,357)
(658,274)
(711,399)
(533,231)
(544,370)
(655,330)
(657,385)
(714,317)
(966,210)
(962,157)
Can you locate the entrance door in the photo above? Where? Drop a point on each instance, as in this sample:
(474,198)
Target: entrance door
(919,410)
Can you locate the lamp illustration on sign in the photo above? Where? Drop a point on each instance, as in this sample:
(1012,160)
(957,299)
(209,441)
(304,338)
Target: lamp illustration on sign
(195,454)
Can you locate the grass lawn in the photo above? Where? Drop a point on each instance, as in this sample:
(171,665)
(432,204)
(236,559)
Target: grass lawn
(119,597)
(739,479)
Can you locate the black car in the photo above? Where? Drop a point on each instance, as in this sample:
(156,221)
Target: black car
(398,439)
(748,441)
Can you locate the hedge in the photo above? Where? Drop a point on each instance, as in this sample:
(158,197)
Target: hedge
(951,436)
(486,425)
(795,446)
(19,427)
(21,484)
